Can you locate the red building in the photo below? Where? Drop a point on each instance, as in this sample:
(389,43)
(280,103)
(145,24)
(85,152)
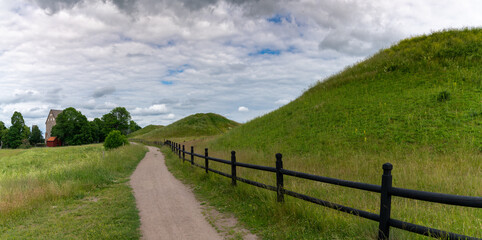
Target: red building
(53,142)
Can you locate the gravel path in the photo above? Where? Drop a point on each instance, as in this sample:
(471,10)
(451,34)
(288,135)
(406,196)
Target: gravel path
(168,209)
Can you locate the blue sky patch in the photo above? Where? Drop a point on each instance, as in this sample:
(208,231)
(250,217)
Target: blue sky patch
(178,70)
(164,82)
(171,72)
(278,18)
(266,51)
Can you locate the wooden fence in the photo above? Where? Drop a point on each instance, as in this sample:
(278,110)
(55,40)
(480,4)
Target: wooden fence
(386,191)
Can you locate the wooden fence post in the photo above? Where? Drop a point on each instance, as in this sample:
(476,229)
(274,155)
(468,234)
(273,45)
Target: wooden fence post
(385,202)
(192,155)
(183,154)
(233,168)
(179,150)
(206,161)
(279,178)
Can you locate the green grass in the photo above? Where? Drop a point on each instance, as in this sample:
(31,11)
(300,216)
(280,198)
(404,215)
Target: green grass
(144,130)
(68,193)
(201,124)
(417,105)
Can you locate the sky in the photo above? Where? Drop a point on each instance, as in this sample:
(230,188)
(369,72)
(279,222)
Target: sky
(164,60)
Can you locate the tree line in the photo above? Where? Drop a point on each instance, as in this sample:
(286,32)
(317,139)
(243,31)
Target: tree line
(19,135)
(72,128)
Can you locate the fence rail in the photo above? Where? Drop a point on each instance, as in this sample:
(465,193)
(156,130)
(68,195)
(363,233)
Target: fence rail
(385,189)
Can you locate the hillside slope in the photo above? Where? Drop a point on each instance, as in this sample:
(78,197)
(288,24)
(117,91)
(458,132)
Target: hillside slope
(200,124)
(423,92)
(144,130)
(417,105)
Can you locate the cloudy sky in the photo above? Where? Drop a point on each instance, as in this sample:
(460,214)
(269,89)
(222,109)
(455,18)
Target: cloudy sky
(164,60)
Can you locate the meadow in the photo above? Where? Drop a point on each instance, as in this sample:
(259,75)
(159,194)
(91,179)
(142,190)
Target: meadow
(79,192)
(417,105)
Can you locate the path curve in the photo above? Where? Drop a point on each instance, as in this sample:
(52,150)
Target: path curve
(167,208)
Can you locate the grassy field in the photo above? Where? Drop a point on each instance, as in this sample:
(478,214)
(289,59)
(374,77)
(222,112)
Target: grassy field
(193,126)
(68,193)
(417,105)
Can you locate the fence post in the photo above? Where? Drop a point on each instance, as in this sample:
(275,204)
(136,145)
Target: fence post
(279,178)
(192,155)
(183,154)
(385,202)
(233,168)
(179,151)
(206,161)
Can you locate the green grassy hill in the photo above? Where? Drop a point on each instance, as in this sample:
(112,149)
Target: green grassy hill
(144,130)
(424,92)
(201,124)
(417,105)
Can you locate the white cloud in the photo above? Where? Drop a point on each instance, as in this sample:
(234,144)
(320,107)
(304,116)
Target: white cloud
(282,102)
(170,116)
(102,91)
(195,56)
(243,109)
(156,109)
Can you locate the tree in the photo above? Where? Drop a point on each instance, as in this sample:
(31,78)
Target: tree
(115,139)
(96,127)
(3,131)
(17,132)
(133,126)
(72,128)
(17,119)
(117,119)
(36,136)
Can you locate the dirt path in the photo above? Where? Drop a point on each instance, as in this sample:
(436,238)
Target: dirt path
(168,209)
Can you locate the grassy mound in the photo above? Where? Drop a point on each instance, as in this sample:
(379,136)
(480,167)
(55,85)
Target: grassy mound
(417,105)
(423,92)
(144,130)
(201,124)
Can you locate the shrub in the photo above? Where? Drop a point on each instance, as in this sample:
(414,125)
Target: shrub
(115,139)
(443,96)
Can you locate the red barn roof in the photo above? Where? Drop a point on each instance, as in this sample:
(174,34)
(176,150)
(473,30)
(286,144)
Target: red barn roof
(51,139)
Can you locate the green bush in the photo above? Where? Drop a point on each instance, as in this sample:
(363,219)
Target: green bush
(443,96)
(115,139)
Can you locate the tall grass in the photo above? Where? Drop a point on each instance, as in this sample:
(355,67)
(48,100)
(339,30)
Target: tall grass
(35,178)
(450,174)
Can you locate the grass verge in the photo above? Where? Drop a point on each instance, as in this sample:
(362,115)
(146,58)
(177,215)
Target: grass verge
(296,219)
(68,193)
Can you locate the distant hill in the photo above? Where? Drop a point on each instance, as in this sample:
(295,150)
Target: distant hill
(425,92)
(200,124)
(144,130)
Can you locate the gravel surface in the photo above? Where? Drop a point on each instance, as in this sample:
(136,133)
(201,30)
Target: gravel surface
(168,209)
